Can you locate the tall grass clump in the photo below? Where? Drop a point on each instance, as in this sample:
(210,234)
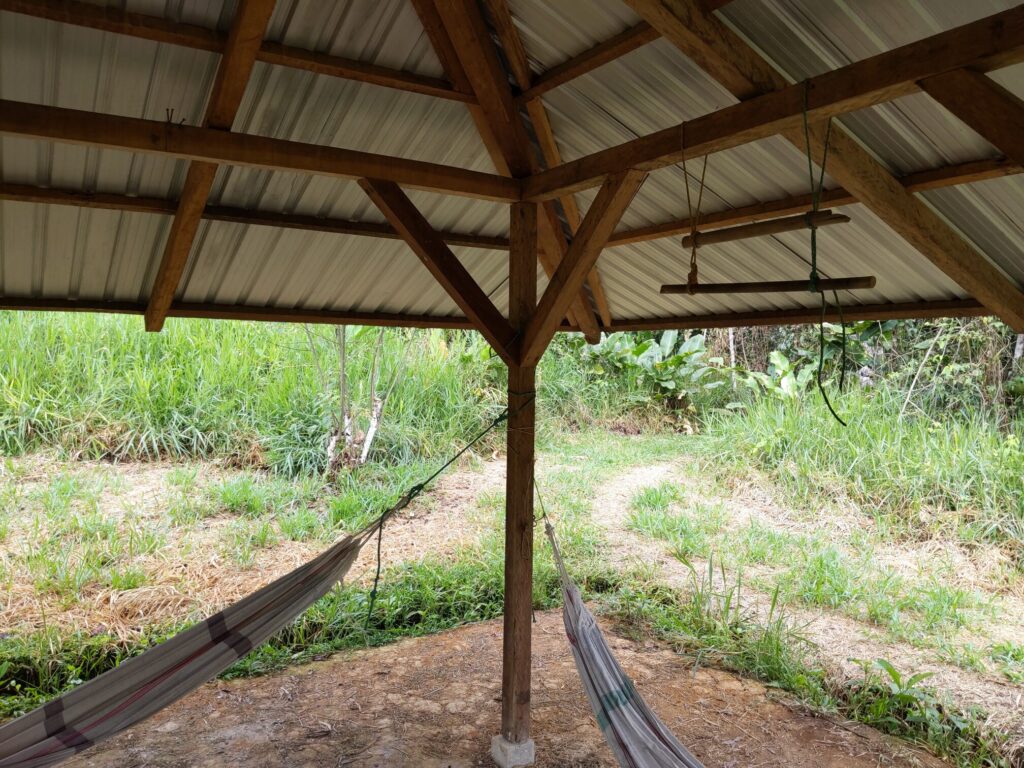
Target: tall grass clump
(909,465)
(261,395)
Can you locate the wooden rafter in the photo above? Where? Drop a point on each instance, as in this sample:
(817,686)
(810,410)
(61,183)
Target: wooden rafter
(515,54)
(995,41)
(247,30)
(984,105)
(458,29)
(114,202)
(604,52)
(920,181)
(225,148)
(991,42)
(161,30)
(597,226)
(428,245)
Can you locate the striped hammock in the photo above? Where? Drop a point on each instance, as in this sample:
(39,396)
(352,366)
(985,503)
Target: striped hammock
(149,682)
(635,734)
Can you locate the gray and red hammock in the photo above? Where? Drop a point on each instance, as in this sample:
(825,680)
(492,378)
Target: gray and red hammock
(151,681)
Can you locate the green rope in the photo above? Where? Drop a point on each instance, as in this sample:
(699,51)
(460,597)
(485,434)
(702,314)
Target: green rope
(814,277)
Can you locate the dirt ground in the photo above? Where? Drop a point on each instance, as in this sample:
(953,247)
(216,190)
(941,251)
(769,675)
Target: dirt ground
(434,702)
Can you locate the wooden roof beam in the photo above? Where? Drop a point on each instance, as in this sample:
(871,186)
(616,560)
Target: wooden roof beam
(247,30)
(911,310)
(226,148)
(446,268)
(586,62)
(435,29)
(996,40)
(114,202)
(989,43)
(509,144)
(515,54)
(604,214)
(156,29)
(243,312)
(985,106)
(920,181)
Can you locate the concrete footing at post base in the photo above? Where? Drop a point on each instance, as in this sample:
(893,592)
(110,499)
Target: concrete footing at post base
(509,754)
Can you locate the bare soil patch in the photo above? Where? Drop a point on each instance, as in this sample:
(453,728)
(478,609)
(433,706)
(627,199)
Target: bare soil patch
(434,702)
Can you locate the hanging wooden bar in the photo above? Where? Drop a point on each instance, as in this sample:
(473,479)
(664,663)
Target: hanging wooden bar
(762,228)
(774,286)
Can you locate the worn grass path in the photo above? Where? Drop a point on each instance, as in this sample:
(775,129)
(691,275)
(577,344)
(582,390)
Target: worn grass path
(839,640)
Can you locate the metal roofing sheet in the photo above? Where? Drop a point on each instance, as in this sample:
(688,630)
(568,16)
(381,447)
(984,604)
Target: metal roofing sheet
(54,251)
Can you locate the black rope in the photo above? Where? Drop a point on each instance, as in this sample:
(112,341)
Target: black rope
(417,489)
(821,360)
(813,287)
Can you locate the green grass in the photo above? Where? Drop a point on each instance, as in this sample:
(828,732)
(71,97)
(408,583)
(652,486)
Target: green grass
(898,703)
(1009,659)
(101,387)
(920,474)
(657,512)
(709,623)
(759,544)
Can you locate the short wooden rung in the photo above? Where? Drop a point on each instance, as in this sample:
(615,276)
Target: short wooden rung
(774,286)
(762,228)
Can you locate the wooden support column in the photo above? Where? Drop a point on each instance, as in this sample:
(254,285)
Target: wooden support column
(516,659)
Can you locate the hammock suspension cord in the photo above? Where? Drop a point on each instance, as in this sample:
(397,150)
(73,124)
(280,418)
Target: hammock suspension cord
(692,278)
(814,277)
(417,489)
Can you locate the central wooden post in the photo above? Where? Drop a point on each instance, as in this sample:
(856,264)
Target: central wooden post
(514,746)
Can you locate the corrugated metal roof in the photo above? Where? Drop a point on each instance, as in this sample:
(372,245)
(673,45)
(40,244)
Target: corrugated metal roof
(63,252)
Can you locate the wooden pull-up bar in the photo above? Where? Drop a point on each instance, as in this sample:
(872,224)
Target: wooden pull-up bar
(762,228)
(773,286)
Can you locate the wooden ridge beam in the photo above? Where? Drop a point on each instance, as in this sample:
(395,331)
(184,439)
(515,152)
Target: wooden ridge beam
(610,203)
(919,310)
(589,60)
(501,125)
(427,244)
(247,30)
(921,181)
(994,41)
(156,29)
(989,43)
(194,143)
(114,202)
(452,66)
(985,106)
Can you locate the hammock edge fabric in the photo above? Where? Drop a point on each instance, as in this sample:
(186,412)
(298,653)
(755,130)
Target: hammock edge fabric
(145,684)
(636,736)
